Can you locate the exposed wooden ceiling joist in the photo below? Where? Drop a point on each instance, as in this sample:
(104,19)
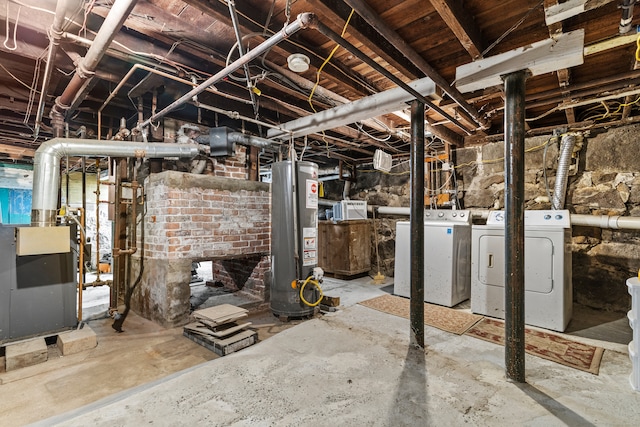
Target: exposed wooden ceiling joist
(462,25)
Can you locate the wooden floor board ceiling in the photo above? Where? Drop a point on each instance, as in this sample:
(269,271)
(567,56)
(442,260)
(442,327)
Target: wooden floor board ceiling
(178,44)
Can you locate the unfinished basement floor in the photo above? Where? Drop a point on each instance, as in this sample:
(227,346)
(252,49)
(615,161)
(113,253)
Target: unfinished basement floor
(350,368)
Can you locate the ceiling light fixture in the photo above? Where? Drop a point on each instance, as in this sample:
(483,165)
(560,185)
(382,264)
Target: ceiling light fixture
(298,62)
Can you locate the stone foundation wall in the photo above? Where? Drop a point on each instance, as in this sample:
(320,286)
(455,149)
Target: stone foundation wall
(604,180)
(196,218)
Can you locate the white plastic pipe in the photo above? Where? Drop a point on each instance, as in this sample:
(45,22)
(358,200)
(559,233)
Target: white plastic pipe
(605,221)
(46,166)
(615,222)
(389,210)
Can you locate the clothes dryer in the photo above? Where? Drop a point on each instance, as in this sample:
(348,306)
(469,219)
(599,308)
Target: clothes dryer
(547,264)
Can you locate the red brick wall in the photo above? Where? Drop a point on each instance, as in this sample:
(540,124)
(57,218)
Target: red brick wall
(232,167)
(203,217)
(242,273)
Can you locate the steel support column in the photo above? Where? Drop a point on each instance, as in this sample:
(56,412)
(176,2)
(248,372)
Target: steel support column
(118,261)
(417,224)
(514,84)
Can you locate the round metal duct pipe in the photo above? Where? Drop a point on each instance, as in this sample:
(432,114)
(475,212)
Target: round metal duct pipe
(46,166)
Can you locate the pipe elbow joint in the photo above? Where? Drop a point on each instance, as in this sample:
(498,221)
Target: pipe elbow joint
(308,20)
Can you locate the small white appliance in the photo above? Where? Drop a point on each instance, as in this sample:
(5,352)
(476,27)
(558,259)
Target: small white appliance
(350,209)
(447,257)
(547,264)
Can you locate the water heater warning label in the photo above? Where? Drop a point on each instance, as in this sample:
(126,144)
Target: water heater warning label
(312,194)
(309,257)
(309,243)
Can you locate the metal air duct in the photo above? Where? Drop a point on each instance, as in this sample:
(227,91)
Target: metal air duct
(46,166)
(560,189)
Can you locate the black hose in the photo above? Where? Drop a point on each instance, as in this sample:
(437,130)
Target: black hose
(119,321)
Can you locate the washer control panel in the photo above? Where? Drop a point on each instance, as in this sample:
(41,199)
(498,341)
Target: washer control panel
(535,218)
(461,216)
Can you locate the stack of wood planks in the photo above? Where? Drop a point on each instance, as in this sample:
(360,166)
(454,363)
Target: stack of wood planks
(220,329)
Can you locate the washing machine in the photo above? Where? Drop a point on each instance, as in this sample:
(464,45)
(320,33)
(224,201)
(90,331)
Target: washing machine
(447,257)
(547,268)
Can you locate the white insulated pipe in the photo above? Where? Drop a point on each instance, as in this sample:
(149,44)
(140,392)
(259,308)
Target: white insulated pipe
(46,166)
(615,222)
(381,103)
(85,70)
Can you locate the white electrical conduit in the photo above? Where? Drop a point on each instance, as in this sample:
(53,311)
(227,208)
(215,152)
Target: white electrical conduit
(46,166)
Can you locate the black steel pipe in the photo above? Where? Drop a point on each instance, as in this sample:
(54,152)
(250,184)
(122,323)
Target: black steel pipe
(514,85)
(332,35)
(416,311)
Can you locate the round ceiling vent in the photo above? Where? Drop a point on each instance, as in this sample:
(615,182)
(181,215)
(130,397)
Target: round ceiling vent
(298,62)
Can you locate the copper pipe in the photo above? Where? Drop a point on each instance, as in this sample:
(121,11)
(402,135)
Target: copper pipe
(81,269)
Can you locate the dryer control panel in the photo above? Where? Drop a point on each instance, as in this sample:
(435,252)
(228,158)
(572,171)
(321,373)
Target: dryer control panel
(536,218)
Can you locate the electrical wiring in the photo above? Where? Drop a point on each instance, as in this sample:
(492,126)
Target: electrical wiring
(621,105)
(304,148)
(545,114)
(17,79)
(544,168)
(499,159)
(15,29)
(34,83)
(319,72)
(310,52)
(510,30)
(361,129)
(87,11)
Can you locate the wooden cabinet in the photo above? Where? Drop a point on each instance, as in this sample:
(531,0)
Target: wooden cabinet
(344,247)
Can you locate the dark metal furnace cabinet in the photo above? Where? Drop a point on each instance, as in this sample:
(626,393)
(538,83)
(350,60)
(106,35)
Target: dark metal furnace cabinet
(345,247)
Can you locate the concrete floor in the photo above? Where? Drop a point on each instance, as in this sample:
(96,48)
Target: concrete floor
(354,367)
